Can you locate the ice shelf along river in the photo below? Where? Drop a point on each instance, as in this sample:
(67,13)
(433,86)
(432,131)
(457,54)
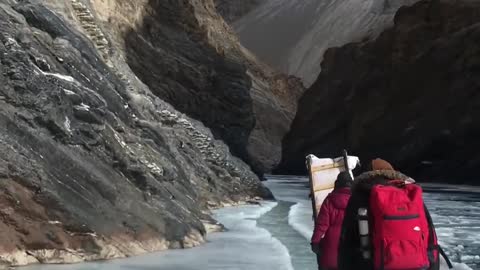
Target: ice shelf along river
(275,235)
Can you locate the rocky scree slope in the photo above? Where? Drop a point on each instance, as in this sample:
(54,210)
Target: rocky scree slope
(93,165)
(202,70)
(411,96)
(293,35)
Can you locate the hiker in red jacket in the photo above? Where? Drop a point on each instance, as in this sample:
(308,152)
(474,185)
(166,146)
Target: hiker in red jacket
(394,231)
(329,223)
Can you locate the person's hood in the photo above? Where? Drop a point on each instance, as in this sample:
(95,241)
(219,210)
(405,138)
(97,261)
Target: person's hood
(367,180)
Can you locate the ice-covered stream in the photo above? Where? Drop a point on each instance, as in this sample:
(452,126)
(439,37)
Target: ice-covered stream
(275,235)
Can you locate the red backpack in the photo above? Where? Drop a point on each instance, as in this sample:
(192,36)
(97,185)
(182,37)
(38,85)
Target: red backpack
(402,232)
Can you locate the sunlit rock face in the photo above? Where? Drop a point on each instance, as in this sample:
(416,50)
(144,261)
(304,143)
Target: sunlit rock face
(293,35)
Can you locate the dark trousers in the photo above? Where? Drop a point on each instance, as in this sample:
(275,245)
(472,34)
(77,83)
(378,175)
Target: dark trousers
(318,262)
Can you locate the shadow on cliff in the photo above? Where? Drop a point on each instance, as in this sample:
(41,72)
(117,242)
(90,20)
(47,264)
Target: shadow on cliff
(170,53)
(410,96)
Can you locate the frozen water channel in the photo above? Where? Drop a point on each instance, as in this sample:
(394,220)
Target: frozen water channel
(275,235)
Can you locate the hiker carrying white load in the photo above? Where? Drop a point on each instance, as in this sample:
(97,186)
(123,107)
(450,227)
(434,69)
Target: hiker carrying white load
(386,224)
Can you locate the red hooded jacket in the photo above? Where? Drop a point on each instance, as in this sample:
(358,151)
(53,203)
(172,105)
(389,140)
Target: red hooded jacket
(328,226)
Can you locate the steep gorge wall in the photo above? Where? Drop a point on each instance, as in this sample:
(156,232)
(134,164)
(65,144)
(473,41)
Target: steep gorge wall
(207,74)
(188,56)
(410,96)
(293,35)
(93,163)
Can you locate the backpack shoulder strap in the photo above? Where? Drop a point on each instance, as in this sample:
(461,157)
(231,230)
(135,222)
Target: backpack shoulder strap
(432,245)
(444,255)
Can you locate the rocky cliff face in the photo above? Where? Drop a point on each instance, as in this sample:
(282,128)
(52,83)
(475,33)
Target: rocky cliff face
(93,163)
(233,10)
(188,56)
(410,96)
(293,35)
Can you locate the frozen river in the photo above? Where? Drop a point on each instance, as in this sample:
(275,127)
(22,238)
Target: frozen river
(275,235)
